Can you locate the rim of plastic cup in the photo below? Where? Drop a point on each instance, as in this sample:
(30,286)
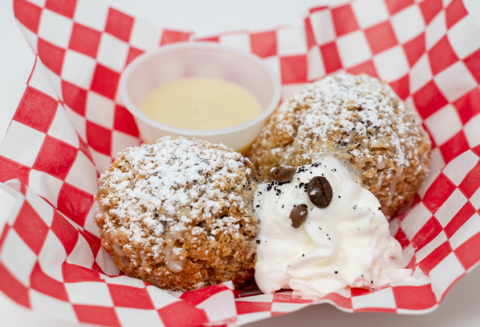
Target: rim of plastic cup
(198,45)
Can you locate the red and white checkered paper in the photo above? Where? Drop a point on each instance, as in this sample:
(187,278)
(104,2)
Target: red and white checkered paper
(70,124)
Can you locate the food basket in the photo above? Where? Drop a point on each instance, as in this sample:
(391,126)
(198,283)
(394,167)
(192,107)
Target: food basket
(70,124)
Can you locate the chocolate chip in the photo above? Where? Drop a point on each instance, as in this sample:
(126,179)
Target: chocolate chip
(258,241)
(282,174)
(320,191)
(298,215)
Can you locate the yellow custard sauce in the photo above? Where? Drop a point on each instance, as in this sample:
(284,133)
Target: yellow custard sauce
(201,104)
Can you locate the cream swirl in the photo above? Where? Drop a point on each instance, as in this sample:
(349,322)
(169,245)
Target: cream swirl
(346,244)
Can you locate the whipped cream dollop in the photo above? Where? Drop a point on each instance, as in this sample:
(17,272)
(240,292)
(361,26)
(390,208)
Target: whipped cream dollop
(346,244)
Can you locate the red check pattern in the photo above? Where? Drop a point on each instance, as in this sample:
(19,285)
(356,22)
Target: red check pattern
(64,272)
(70,124)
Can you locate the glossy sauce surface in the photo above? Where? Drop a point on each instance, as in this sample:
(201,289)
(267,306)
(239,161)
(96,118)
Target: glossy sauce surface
(201,104)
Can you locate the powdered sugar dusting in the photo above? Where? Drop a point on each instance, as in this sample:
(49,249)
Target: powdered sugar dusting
(363,123)
(353,103)
(173,186)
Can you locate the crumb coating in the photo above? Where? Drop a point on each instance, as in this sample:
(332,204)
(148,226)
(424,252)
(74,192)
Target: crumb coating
(178,213)
(359,120)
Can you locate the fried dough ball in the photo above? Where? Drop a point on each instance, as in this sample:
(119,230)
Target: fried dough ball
(178,213)
(360,121)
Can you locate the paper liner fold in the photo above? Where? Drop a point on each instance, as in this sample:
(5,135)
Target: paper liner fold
(70,124)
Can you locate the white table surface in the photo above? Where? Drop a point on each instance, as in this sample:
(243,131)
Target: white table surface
(461,305)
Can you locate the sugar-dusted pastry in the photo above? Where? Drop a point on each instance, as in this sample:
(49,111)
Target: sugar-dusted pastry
(179,213)
(360,121)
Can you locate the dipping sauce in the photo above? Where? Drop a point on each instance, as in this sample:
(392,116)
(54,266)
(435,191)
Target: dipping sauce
(201,104)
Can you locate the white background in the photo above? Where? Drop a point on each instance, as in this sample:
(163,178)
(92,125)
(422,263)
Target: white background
(461,306)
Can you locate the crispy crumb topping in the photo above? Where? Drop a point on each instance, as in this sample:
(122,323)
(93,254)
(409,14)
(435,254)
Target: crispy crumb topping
(360,120)
(161,201)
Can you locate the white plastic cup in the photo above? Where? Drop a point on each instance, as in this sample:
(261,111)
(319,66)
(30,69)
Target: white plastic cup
(200,59)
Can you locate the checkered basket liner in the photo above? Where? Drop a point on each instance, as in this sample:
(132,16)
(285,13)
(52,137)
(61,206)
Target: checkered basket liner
(70,124)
